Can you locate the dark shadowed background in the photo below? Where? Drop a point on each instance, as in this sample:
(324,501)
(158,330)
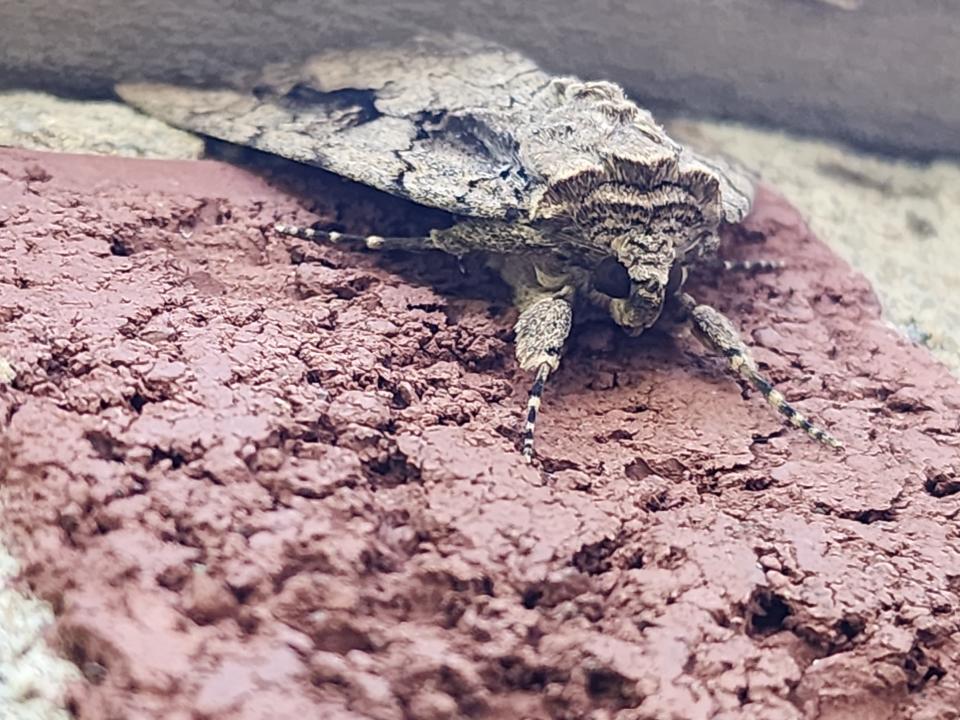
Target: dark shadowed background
(882,73)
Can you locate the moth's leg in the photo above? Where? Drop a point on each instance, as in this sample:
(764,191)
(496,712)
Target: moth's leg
(746,266)
(541,332)
(703,257)
(492,236)
(371,242)
(751,266)
(715,331)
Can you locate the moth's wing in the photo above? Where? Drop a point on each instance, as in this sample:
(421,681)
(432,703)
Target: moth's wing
(738,184)
(575,136)
(428,121)
(331,136)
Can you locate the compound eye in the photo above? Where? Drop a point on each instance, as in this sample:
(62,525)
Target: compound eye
(611,278)
(678,277)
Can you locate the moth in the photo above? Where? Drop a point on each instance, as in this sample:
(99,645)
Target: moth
(571,191)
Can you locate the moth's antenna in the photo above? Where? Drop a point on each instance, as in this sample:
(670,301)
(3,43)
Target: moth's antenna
(533,407)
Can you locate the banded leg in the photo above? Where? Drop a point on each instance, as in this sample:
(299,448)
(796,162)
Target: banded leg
(461,238)
(751,266)
(371,242)
(718,334)
(744,266)
(541,332)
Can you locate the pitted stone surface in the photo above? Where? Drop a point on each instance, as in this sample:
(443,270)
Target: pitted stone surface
(258,478)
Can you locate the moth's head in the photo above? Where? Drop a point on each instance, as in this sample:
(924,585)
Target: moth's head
(647,230)
(635,280)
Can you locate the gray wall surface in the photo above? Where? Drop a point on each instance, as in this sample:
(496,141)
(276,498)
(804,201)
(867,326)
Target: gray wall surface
(884,73)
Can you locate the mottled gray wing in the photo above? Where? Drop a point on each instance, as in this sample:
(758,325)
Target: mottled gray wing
(457,123)
(414,121)
(737,184)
